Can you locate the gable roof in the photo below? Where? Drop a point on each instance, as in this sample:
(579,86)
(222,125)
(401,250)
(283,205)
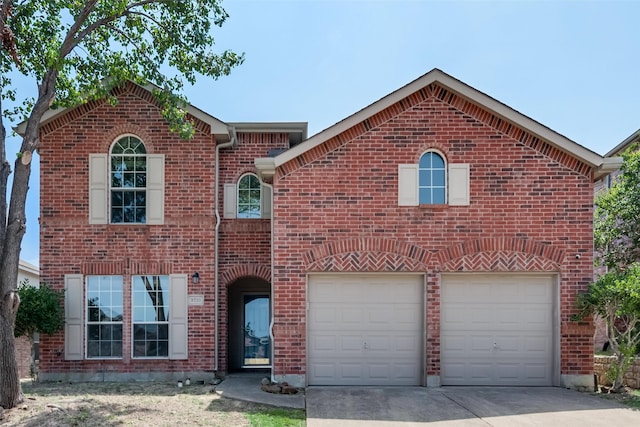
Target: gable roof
(218,128)
(618,149)
(601,165)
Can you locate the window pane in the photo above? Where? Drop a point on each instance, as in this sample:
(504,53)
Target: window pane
(150,301)
(438,195)
(425,196)
(425,178)
(425,161)
(432,179)
(436,161)
(104,316)
(128,170)
(438,178)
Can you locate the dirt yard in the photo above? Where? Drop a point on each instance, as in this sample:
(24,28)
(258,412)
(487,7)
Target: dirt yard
(126,404)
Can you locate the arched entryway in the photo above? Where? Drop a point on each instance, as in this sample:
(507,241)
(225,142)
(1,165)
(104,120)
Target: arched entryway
(249,316)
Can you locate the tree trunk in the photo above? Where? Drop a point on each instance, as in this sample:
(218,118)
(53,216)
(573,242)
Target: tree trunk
(11,234)
(11,393)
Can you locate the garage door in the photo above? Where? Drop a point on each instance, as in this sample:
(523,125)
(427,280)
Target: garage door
(365,329)
(497,330)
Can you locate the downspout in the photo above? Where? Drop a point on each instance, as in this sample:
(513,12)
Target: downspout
(271,302)
(216,282)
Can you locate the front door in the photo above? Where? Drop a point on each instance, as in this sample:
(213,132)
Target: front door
(257,345)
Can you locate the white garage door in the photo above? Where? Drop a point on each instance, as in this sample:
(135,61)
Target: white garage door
(365,329)
(497,330)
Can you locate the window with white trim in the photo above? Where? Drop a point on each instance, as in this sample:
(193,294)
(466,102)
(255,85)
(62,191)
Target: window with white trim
(128,181)
(249,196)
(104,317)
(126,185)
(431,179)
(150,316)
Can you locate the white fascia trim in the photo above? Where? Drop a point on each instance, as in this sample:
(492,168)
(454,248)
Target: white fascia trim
(624,144)
(464,90)
(28,268)
(271,127)
(266,167)
(609,165)
(218,127)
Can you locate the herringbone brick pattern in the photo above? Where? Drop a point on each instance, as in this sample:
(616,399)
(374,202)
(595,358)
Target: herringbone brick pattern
(500,261)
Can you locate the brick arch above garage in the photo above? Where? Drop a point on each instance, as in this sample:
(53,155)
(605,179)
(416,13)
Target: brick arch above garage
(500,255)
(230,275)
(367,254)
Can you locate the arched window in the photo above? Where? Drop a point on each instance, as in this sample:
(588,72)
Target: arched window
(128,181)
(432,179)
(249,197)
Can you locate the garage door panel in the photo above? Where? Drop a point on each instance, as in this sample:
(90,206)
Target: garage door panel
(504,337)
(376,323)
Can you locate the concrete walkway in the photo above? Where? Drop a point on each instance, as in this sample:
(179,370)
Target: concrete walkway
(462,406)
(246,386)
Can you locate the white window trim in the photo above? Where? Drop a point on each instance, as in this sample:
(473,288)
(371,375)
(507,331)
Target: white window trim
(446,177)
(86,321)
(261,203)
(100,188)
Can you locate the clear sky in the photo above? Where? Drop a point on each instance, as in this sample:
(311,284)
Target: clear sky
(570,65)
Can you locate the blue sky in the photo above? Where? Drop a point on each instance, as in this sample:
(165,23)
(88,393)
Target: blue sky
(572,65)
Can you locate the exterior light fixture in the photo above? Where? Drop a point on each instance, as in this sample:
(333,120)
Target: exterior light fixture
(195,278)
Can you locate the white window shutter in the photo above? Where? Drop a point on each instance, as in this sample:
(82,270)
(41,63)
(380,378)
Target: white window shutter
(229,201)
(266,201)
(178,317)
(459,184)
(155,189)
(98,188)
(407,185)
(73,316)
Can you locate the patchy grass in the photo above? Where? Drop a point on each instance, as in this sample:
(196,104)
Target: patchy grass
(278,417)
(139,404)
(628,396)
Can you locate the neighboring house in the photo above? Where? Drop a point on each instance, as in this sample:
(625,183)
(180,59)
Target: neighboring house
(601,337)
(30,272)
(435,237)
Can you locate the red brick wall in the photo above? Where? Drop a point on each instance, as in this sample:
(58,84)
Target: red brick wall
(245,244)
(183,245)
(531,210)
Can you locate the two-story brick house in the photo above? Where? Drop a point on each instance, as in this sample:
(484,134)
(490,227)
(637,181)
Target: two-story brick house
(434,237)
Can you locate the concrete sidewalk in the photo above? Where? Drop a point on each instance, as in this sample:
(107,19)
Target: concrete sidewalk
(462,406)
(246,386)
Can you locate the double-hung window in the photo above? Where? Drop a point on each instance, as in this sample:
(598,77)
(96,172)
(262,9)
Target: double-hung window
(128,181)
(104,317)
(126,185)
(247,198)
(151,302)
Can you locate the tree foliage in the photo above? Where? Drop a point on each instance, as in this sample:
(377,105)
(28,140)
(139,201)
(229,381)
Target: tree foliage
(615,297)
(40,310)
(75,51)
(617,216)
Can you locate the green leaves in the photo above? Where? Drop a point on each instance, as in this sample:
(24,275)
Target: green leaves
(95,45)
(615,297)
(40,310)
(617,216)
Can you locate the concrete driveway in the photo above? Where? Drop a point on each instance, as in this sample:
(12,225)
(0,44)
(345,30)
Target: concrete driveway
(462,406)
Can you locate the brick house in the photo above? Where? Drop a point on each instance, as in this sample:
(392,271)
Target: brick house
(435,237)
